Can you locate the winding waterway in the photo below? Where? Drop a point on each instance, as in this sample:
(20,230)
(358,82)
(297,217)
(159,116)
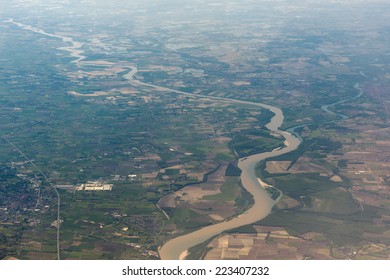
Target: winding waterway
(73,49)
(177,248)
(326,109)
(344,117)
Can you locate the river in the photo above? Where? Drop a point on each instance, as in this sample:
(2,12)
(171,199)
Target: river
(73,49)
(177,248)
(344,117)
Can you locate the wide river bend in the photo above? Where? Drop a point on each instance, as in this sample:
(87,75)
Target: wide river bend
(177,248)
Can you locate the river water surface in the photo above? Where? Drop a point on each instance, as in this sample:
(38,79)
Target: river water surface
(177,248)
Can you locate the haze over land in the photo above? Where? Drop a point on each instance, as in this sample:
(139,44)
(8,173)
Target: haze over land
(137,113)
